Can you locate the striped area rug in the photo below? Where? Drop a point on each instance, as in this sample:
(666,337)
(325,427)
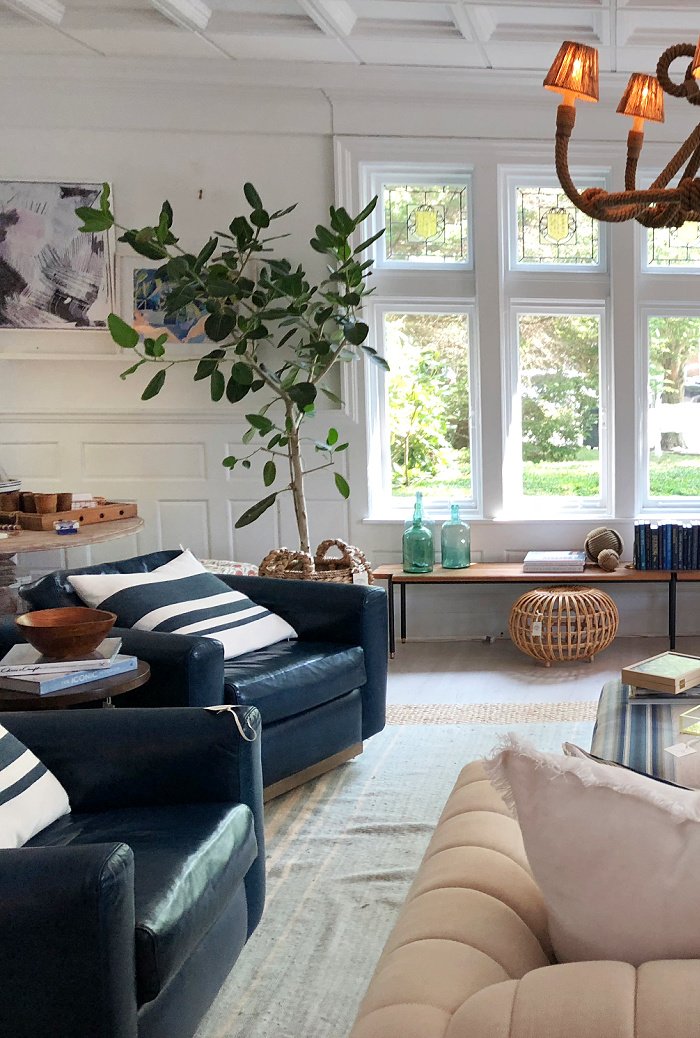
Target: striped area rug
(341,853)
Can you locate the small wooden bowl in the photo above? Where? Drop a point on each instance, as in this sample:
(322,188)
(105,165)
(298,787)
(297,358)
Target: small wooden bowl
(64,634)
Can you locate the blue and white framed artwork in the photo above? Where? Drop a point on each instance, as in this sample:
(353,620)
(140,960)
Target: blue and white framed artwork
(143,296)
(52,276)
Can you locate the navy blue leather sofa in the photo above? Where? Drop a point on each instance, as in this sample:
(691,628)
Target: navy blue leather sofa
(319,697)
(122,919)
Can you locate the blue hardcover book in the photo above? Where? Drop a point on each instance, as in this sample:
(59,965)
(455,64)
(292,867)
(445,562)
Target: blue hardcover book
(56,682)
(695,544)
(663,539)
(654,564)
(667,547)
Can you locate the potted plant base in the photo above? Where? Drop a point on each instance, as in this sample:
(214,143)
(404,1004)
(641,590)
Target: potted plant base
(351,568)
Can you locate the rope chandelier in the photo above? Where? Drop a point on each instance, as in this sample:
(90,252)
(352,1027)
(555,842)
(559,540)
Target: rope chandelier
(574,74)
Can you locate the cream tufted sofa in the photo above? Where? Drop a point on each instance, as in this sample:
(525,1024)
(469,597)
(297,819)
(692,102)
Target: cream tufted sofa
(470,956)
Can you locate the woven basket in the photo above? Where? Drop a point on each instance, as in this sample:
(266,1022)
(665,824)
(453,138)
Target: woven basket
(351,568)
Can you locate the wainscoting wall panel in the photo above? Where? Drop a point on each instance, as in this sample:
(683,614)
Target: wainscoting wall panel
(186,523)
(134,461)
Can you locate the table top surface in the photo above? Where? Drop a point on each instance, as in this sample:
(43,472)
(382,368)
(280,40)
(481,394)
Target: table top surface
(512,572)
(90,692)
(49,540)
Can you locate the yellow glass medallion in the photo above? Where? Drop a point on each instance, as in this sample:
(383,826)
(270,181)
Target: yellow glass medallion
(558,224)
(426,223)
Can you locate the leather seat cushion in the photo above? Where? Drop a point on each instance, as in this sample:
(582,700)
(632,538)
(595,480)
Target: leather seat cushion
(189,860)
(291,677)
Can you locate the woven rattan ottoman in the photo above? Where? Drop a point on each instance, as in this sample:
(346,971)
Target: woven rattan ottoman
(559,624)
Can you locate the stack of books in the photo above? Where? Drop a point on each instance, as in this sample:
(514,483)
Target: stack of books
(668,677)
(24,669)
(668,545)
(554,562)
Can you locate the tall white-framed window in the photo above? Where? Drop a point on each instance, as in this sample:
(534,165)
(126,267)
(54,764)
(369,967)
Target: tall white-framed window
(668,393)
(557,377)
(425,425)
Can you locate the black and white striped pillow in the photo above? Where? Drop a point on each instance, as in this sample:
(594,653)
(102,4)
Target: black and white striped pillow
(30,796)
(197,604)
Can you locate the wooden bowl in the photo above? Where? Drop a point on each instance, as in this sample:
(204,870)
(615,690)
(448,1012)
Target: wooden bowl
(65,634)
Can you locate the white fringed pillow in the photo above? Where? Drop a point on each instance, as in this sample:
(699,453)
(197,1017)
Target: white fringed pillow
(31,797)
(616,854)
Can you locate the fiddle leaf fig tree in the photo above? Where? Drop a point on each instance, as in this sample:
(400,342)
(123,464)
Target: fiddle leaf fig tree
(272,331)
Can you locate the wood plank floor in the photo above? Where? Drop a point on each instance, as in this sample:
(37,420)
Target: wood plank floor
(482,672)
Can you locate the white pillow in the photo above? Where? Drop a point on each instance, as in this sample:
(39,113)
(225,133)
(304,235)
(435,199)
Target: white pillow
(616,854)
(30,796)
(182,597)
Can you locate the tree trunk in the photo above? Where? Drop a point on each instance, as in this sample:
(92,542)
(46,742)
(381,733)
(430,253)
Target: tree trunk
(296,481)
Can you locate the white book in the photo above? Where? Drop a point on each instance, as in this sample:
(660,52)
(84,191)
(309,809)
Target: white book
(23,660)
(554,562)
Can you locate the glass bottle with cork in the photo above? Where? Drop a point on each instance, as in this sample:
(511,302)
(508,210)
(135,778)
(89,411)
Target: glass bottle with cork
(455,541)
(418,547)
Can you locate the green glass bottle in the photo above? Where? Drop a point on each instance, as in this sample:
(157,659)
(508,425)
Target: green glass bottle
(455,542)
(418,548)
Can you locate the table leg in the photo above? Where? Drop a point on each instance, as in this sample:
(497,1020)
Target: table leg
(403,612)
(392,621)
(672,586)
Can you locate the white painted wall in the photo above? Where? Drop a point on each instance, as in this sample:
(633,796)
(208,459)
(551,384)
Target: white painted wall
(67,422)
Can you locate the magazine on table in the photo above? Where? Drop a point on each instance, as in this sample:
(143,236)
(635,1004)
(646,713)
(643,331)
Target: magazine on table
(24,660)
(41,685)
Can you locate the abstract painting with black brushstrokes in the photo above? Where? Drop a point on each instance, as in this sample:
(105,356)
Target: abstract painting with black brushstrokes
(51,275)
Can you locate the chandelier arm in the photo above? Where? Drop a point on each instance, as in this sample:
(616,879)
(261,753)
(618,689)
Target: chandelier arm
(690,171)
(679,50)
(635,139)
(566,117)
(685,152)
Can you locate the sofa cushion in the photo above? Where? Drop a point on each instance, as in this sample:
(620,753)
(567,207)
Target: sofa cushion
(189,859)
(31,797)
(615,854)
(291,677)
(181,597)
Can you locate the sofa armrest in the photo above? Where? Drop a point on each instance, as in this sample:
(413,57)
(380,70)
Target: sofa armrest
(185,670)
(108,759)
(346,614)
(67,942)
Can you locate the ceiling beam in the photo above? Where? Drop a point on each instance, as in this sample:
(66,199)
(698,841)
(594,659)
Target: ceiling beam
(334,17)
(188,14)
(50,12)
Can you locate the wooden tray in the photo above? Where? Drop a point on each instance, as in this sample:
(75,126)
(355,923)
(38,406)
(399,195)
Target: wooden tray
(105,513)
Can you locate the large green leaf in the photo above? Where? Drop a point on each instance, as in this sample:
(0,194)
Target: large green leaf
(122,333)
(255,511)
(206,253)
(269,473)
(370,241)
(217,385)
(242,372)
(356,333)
(94,220)
(219,326)
(342,485)
(260,422)
(154,386)
(235,392)
(252,197)
(303,394)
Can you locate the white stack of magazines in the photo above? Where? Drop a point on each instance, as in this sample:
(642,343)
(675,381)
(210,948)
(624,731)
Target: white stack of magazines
(24,669)
(554,562)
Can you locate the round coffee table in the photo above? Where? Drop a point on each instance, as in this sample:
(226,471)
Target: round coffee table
(101,689)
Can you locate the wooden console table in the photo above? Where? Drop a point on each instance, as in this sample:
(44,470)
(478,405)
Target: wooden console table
(512,573)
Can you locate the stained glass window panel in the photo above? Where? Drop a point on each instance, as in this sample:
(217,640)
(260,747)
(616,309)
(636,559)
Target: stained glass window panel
(674,246)
(426,223)
(550,230)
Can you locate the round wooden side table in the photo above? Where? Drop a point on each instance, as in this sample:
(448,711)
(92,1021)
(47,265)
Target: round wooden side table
(561,624)
(101,689)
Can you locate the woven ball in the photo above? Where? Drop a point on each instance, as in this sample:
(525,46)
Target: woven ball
(608,560)
(555,624)
(600,539)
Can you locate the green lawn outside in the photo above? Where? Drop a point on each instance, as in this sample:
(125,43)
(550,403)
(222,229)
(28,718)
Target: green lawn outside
(671,475)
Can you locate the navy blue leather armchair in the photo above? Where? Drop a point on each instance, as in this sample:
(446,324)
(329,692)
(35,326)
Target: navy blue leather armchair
(123,919)
(319,697)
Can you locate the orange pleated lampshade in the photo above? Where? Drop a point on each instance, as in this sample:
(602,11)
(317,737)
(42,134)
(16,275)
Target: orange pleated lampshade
(643,98)
(575,70)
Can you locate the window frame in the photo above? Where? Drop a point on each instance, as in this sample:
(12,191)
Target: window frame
(647,505)
(382,502)
(515,502)
(537,176)
(374,176)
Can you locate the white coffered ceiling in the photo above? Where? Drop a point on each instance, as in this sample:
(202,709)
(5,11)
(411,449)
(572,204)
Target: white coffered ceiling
(493,34)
